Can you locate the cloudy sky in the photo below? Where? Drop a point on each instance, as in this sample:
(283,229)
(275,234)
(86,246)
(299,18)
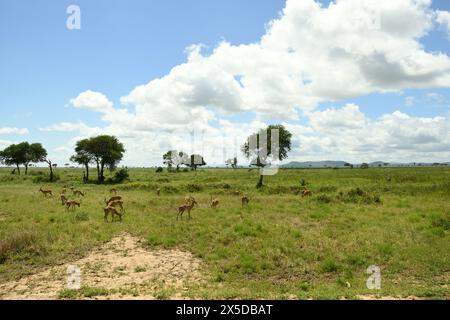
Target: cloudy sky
(353,80)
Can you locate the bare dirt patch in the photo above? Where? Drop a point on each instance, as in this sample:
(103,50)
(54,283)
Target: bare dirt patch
(120,269)
(375,297)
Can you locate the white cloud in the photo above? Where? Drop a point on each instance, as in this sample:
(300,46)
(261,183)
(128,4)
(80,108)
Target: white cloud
(310,54)
(91,100)
(5,143)
(65,127)
(8,130)
(443,18)
(409,101)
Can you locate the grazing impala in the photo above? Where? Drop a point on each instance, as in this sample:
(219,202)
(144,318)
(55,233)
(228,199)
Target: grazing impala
(186,207)
(214,203)
(71,204)
(47,192)
(245,200)
(111,211)
(117,203)
(114,198)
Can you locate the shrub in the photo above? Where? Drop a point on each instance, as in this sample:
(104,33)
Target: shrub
(81,216)
(358,195)
(326,189)
(19,242)
(323,198)
(120,176)
(441,222)
(45,178)
(193,187)
(159,169)
(328,266)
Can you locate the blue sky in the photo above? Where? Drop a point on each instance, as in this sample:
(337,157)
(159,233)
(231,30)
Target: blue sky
(124,44)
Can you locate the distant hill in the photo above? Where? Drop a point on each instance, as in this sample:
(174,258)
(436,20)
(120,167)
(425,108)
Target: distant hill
(315,164)
(341,164)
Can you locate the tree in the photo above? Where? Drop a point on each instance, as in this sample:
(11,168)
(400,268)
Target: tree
(105,151)
(232,162)
(82,155)
(194,161)
(259,151)
(15,155)
(168,160)
(35,153)
(39,154)
(175,158)
(364,166)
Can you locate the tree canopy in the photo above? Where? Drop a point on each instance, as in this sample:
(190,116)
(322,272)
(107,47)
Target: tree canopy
(258,147)
(103,150)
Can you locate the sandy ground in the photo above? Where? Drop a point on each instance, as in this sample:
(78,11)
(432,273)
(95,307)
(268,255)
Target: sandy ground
(123,266)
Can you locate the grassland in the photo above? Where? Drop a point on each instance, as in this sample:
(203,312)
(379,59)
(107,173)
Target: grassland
(280,246)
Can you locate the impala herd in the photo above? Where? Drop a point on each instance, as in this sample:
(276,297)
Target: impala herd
(116,202)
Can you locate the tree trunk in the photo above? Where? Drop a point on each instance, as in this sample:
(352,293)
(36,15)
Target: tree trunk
(51,170)
(260,182)
(98,171)
(26,168)
(18,169)
(87,172)
(102,177)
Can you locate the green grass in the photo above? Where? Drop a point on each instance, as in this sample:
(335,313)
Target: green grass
(280,246)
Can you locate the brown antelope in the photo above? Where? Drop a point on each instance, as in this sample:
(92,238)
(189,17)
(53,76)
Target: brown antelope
(158,191)
(63,191)
(189,199)
(113,191)
(214,203)
(63,199)
(113,212)
(306,193)
(186,207)
(117,203)
(71,204)
(245,200)
(46,192)
(114,198)
(78,193)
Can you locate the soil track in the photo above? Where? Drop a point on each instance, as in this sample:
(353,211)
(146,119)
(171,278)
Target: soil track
(121,268)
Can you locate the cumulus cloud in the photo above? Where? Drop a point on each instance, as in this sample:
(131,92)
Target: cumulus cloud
(443,18)
(310,54)
(8,130)
(91,100)
(66,127)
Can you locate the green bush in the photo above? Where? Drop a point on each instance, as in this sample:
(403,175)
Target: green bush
(45,178)
(120,176)
(193,187)
(159,169)
(358,195)
(19,242)
(323,198)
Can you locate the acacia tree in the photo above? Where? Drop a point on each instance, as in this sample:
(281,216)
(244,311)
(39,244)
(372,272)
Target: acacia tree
(105,151)
(15,155)
(39,154)
(82,155)
(168,159)
(35,153)
(259,152)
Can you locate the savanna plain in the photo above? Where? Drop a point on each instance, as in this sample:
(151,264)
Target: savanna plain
(279,246)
